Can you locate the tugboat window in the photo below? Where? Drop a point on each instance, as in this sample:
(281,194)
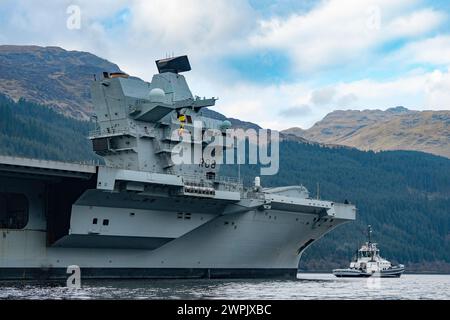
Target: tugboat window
(13,211)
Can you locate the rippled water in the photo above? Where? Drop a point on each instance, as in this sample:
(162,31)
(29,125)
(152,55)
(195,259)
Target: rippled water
(308,286)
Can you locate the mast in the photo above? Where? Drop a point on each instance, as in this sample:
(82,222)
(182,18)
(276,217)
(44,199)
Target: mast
(369,233)
(369,244)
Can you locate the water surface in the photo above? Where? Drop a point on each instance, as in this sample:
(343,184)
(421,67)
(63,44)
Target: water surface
(307,286)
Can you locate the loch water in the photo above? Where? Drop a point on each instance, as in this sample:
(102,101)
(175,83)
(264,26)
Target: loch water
(307,286)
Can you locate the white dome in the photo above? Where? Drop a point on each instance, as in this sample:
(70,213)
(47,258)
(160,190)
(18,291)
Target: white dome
(226,124)
(157,95)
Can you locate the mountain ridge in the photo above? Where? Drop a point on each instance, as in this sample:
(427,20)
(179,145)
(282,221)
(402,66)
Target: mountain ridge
(51,76)
(393,129)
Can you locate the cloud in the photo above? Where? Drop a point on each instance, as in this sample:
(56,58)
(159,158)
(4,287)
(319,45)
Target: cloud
(295,112)
(323,96)
(346,99)
(417,23)
(342,31)
(437,90)
(435,50)
(269,105)
(196,26)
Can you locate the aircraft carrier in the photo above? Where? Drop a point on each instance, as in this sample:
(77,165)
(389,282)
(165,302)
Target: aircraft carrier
(140,215)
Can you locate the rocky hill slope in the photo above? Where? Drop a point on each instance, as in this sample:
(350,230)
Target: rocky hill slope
(394,129)
(51,76)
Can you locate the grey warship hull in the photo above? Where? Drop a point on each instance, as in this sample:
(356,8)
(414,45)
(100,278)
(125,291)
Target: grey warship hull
(248,243)
(144,214)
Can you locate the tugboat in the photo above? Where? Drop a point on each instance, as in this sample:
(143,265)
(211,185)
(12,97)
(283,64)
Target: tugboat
(368,262)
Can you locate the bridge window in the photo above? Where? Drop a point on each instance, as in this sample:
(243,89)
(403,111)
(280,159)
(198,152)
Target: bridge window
(13,211)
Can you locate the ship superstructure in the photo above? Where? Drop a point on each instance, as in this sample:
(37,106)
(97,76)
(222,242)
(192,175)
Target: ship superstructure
(142,215)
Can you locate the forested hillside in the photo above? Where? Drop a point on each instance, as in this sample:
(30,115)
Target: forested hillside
(31,130)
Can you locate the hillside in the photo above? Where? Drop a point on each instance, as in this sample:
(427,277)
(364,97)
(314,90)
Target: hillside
(51,76)
(394,129)
(31,130)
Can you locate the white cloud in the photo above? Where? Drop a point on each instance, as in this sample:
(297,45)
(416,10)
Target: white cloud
(340,31)
(269,106)
(417,23)
(323,96)
(191,24)
(437,90)
(435,50)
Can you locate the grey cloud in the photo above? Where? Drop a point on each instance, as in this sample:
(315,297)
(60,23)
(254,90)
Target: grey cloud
(323,96)
(346,100)
(295,111)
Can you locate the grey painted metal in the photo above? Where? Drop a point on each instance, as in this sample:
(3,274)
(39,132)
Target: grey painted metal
(46,167)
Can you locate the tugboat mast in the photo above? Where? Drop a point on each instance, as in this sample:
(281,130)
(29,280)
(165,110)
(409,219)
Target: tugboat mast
(369,233)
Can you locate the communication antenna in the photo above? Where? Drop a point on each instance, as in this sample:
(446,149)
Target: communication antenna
(318,191)
(239,167)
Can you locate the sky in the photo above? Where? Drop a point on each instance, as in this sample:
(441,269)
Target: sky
(278,63)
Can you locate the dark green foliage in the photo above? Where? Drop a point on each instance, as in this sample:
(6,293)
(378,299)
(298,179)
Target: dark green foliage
(31,130)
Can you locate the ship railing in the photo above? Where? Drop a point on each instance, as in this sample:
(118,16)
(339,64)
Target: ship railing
(127,131)
(223,182)
(255,195)
(108,131)
(91,162)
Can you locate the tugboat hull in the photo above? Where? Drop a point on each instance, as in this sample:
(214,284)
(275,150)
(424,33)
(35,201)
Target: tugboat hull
(350,273)
(394,272)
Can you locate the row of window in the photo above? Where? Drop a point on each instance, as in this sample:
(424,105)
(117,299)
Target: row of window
(183,215)
(105,221)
